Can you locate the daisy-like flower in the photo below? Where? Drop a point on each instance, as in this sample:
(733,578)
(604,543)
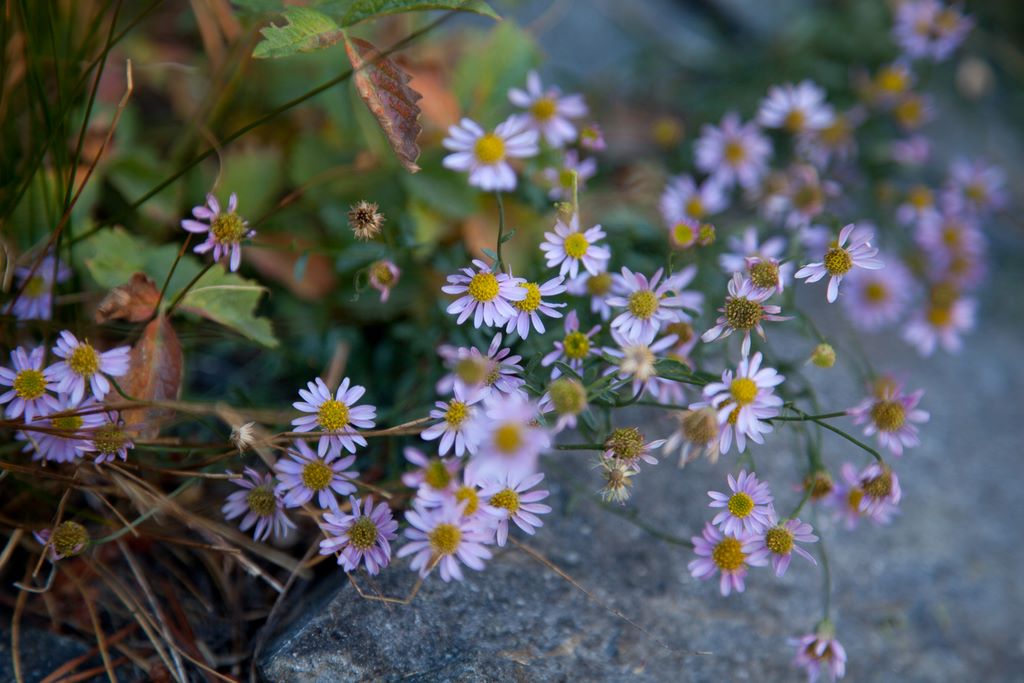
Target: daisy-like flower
(636,360)
(733,152)
(877,298)
(683,199)
(944,318)
(804,196)
(224,230)
(913,111)
(835,141)
(364,535)
(849,495)
(434,474)
(796,108)
(485,295)
(976,186)
(746,246)
(455,428)
(36,288)
(881,489)
(466,494)
(567,247)
(337,416)
(743,311)
(484,155)
(743,400)
(67,435)
(597,287)
(781,538)
(548,111)
(260,504)
(108,441)
(29,382)
(747,509)
(511,497)
(561,178)
(67,539)
(82,363)
(592,138)
(573,348)
(384,275)
(918,204)
(528,310)
(647,304)
(766,273)
(475,376)
(303,475)
(511,439)
(567,397)
(820,654)
(840,259)
(928,29)
(696,434)
(727,555)
(445,537)
(890,414)
(628,445)
(618,480)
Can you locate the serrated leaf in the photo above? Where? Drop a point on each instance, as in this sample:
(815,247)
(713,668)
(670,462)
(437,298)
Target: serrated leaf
(384,87)
(154,374)
(307,30)
(349,12)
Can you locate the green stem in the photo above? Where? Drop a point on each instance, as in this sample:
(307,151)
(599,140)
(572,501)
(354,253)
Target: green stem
(501,230)
(190,285)
(813,418)
(579,447)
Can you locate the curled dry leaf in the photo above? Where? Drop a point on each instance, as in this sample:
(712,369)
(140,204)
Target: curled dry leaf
(134,301)
(155,373)
(384,87)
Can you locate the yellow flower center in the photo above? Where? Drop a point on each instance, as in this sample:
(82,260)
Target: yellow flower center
(940,316)
(506,499)
(69,423)
(734,152)
(444,539)
(795,121)
(468,495)
(489,149)
(854,497)
(779,540)
(576,345)
(976,192)
(683,234)
(382,274)
(436,475)
(695,207)
(910,112)
(728,555)
(69,538)
(742,314)
(29,384)
(228,228)
(483,287)
(920,197)
(876,292)
(576,245)
(543,109)
(35,287)
(456,413)
(880,486)
(568,396)
(838,261)
(565,178)
(765,274)
(109,439)
(316,476)
(598,285)
(684,331)
(508,438)
(84,360)
(472,370)
(888,416)
(892,80)
(743,390)
(643,304)
(741,504)
(262,501)
(363,533)
(626,443)
(332,415)
(819,484)
(807,197)
(532,300)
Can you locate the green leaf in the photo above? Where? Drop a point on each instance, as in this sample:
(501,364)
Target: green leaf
(307,30)
(349,12)
(230,300)
(508,235)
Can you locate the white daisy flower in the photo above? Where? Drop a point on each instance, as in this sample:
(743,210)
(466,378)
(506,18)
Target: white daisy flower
(941,322)
(840,259)
(528,310)
(743,311)
(684,199)
(648,305)
(572,349)
(511,497)
(733,152)
(486,296)
(475,376)
(561,178)
(636,361)
(567,247)
(511,438)
(485,155)
(548,112)
(454,429)
(797,108)
(597,287)
(336,415)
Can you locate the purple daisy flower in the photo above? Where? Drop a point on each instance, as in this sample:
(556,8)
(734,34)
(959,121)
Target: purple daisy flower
(597,287)
(510,437)
(684,199)
(29,382)
(877,298)
(362,536)
(744,310)
(445,537)
(568,247)
(36,288)
(512,499)
(820,653)
(483,295)
(66,435)
(384,275)
(476,376)
(890,414)
(548,111)
(67,539)
(929,29)
(82,363)
(733,152)
(260,503)
(303,474)
(649,305)
(561,178)
(108,441)
(224,230)
(628,445)
(849,495)
(465,493)
(747,509)
(841,259)
(484,155)
(636,361)
(727,555)
(528,310)
(781,538)
(572,349)
(437,474)
(795,108)
(454,429)
(337,416)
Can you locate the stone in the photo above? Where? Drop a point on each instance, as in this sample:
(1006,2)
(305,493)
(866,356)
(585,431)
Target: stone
(41,652)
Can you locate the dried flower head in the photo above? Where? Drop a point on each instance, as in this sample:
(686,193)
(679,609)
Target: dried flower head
(365,220)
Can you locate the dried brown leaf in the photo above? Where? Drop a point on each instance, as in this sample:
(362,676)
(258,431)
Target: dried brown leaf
(134,301)
(155,373)
(383,85)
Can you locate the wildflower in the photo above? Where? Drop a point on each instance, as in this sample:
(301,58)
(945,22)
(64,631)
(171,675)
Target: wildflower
(684,234)
(455,428)
(36,300)
(597,287)
(572,349)
(849,499)
(511,497)
(819,653)
(747,509)
(475,376)
(618,480)
(435,474)
(384,275)
(567,248)
(890,84)
(528,310)
(260,503)
(684,199)
(743,311)
(913,111)
(918,204)
(781,538)
(627,444)
(743,400)
(727,555)
(510,437)
(946,315)
(572,169)
(696,434)
(486,296)
(823,355)
(929,29)
(548,112)
(745,246)
(303,475)
(592,138)
(465,491)
(485,154)
(803,196)
(362,536)
(876,298)
(881,488)
(443,537)
(819,484)
(840,260)
(834,141)
(365,220)
(29,382)
(67,539)
(568,398)
(637,360)
(733,152)
(336,416)
(796,108)
(224,230)
(108,441)
(67,434)
(82,363)
(766,273)
(647,304)
(891,415)
(244,436)
(976,186)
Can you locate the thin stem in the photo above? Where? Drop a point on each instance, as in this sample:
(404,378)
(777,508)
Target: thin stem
(190,285)
(826,575)
(811,418)
(501,230)
(579,447)
(877,456)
